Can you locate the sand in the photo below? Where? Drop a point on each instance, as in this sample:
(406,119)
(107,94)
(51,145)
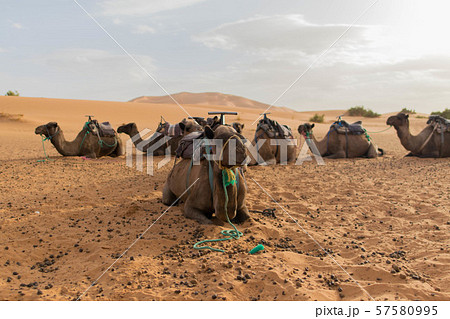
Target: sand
(64,222)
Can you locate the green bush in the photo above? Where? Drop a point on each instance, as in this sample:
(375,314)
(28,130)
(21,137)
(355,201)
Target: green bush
(317,118)
(361,111)
(408,111)
(11,93)
(445,113)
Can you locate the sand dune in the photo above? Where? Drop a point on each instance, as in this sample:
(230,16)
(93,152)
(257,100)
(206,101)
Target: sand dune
(63,222)
(209,98)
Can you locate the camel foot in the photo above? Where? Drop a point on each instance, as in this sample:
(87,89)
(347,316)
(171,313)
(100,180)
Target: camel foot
(168,198)
(91,156)
(197,215)
(241,216)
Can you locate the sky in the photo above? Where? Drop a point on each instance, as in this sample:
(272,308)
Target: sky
(396,55)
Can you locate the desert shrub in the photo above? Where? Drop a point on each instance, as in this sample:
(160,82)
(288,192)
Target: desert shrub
(11,93)
(361,111)
(317,118)
(421,117)
(445,113)
(408,111)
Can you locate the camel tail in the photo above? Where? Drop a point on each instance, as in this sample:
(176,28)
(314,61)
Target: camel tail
(381,152)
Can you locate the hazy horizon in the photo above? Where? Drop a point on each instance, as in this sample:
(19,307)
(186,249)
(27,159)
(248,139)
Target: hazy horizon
(395,56)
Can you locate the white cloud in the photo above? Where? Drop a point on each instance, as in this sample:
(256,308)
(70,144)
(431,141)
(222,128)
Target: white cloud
(143,29)
(286,34)
(143,7)
(17,25)
(2,50)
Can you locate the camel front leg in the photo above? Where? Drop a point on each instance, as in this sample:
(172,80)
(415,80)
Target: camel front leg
(372,151)
(340,154)
(242,211)
(195,213)
(168,198)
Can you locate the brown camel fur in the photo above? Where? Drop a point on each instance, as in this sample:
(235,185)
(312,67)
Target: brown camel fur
(132,130)
(418,144)
(238,126)
(199,202)
(271,154)
(89,147)
(334,145)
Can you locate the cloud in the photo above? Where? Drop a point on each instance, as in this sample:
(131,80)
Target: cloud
(143,7)
(291,37)
(143,29)
(2,50)
(17,25)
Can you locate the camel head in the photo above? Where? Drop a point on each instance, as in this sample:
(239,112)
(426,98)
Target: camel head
(127,128)
(190,126)
(398,120)
(226,134)
(200,120)
(238,127)
(305,129)
(213,122)
(48,130)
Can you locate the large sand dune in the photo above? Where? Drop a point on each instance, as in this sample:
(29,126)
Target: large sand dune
(63,222)
(209,98)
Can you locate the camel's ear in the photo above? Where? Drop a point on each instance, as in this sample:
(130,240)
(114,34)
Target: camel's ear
(312,125)
(182,126)
(209,133)
(407,116)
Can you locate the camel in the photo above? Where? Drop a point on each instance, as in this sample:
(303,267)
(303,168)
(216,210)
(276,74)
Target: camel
(238,126)
(185,126)
(202,199)
(270,153)
(87,142)
(433,141)
(335,145)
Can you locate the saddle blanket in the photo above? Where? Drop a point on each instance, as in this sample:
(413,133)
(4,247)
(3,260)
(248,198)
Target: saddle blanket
(343,127)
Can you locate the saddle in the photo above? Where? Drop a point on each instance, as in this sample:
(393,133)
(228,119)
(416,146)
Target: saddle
(186,145)
(442,124)
(342,127)
(104,129)
(274,129)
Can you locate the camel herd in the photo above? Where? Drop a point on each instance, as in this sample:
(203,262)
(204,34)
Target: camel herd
(218,186)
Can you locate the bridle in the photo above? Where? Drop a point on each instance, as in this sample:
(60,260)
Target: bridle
(49,137)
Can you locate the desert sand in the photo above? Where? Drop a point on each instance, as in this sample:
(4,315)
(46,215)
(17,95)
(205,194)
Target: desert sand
(64,222)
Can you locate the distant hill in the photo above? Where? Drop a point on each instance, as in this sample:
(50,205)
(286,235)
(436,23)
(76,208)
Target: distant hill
(208,98)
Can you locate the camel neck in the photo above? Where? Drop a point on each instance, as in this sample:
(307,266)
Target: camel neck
(321,145)
(66,148)
(412,142)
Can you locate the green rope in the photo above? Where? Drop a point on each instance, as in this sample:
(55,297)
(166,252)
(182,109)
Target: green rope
(381,131)
(101,142)
(86,125)
(227,179)
(366,134)
(46,159)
